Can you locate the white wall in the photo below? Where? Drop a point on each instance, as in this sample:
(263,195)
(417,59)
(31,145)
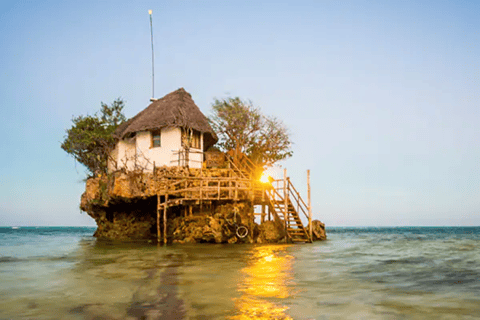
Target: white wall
(140,152)
(124,155)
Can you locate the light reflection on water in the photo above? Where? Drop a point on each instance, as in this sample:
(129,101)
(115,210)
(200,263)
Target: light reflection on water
(353,275)
(268,275)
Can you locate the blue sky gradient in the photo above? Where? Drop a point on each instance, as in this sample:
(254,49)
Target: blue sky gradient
(381,97)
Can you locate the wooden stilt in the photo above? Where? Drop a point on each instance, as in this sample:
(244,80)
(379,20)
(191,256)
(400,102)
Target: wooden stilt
(269,215)
(309,206)
(165,221)
(285,202)
(158,218)
(263,213)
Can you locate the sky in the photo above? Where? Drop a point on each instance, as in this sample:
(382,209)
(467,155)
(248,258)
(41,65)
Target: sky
(381,97)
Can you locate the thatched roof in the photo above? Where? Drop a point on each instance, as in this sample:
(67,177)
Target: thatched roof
(176,109)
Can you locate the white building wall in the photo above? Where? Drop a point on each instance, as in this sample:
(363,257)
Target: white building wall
(125,150)
(112,161)
(139,153)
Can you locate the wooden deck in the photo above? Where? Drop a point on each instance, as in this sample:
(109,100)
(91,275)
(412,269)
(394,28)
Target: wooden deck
(284,203)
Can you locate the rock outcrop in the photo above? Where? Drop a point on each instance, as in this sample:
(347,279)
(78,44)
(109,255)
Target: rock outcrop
(124,206)
(318,230)
(270,232)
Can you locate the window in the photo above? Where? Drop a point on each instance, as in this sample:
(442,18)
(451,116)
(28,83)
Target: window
(196,140)
(195,136)
(156,139)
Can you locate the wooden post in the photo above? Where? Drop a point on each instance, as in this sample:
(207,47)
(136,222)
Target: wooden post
(269,213)
(158,218)
(285,202)
(263,213)
(165,221)
(236,190)
(309,206)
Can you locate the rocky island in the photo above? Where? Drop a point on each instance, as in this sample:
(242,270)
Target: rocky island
(178,205)
(158,178)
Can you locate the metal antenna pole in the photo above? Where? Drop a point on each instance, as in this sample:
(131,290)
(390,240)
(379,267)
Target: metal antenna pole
(153,61)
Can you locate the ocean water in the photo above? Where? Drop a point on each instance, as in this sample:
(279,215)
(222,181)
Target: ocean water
(358,273)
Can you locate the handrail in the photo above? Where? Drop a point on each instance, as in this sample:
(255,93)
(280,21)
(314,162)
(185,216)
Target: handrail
(207,186)
(172,177)
(299,200)
(294,200)
(242,163)
(298,193)
(249,163)
(235,166)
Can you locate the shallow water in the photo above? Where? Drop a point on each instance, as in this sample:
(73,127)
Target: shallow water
(359,273)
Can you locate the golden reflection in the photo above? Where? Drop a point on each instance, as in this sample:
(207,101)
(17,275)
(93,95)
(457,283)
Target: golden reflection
(268,277)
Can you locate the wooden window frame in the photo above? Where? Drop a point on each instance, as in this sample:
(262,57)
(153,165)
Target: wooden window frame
(196,144)
(155,133)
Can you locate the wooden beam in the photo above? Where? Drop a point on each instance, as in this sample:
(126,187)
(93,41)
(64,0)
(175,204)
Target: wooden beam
(285,202)
(236,190)
(263,213)
(309,205)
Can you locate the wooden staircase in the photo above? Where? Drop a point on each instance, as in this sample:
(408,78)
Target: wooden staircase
(285,203)
(242,165)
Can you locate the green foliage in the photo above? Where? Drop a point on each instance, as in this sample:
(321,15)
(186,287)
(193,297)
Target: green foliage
(241,126)
(90,139)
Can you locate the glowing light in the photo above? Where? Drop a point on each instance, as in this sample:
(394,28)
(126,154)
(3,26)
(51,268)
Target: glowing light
(265,178)
(149,11)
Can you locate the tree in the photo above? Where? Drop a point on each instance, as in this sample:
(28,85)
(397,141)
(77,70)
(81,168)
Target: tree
(242,127)
(90,139)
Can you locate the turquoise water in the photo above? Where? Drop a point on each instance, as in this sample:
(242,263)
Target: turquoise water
(359,273)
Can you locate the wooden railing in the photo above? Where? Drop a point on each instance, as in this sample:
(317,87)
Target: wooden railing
(210,188)
(293,195)
(243,165)
(297,199)
(287,204)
